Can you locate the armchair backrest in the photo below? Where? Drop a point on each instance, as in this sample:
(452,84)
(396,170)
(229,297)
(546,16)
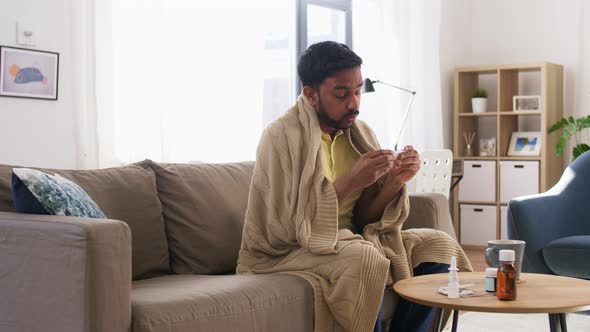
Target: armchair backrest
(562,211)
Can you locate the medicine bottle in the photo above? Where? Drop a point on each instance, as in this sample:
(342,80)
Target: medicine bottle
(506,284)
(491,274)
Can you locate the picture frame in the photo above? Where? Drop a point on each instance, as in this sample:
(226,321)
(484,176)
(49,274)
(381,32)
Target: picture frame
(27,73)
(487,147)
(526,103)
(525,143)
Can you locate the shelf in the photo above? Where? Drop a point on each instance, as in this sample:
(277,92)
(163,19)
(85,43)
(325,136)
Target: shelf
(479,70)
(483,203)
(526,67)
(517,158)
(475,158)
(521,113)
(535,66)
(478,203)
(503,82)
(469,114)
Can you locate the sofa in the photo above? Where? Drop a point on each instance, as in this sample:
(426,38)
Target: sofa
(164,260)
(556,224)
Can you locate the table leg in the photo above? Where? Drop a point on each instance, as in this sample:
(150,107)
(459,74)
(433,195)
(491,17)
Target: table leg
(455,320)
(437,319)
(562,322)
(554,322)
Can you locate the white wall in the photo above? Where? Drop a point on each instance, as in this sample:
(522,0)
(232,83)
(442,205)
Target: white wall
(531,31)
(483,32)
(40,132)
(455,50)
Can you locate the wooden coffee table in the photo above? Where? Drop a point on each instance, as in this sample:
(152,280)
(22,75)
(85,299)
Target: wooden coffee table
(536,293)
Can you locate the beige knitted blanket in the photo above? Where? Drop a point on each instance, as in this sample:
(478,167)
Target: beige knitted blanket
(291,226)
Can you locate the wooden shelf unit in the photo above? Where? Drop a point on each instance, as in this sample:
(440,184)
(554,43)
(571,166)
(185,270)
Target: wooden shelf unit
(546,80)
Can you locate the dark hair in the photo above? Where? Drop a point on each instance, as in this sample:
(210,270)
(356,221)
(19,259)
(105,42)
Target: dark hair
(324,59)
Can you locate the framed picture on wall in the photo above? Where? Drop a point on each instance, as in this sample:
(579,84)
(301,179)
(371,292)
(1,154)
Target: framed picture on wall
(28,73)
(525,143)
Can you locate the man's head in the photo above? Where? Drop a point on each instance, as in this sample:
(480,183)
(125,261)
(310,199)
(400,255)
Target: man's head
(331,77)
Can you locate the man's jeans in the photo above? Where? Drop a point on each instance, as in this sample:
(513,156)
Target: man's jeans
(412,317)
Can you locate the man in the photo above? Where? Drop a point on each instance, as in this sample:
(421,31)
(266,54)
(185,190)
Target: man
(319,181)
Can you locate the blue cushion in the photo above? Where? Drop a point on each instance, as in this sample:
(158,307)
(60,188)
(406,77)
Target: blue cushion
(569,256)
(40,193)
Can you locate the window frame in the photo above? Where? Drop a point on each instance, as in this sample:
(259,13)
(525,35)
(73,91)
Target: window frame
(343,5)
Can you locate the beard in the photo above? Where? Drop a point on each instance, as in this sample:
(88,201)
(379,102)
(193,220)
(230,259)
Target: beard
(327,120)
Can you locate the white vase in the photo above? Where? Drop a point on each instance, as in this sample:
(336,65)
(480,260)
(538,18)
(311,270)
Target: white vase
(479,104)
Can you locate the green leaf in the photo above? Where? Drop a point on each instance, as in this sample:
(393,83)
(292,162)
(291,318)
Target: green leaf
(559,146)
(571,119)
(480,93)
(580,149)
(578,125)
(557,125)
(572,127)
(584,122)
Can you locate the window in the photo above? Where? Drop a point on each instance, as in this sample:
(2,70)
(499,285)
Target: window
(279,60)
(320,20)
(182,80)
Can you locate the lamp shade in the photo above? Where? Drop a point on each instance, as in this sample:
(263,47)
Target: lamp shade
(368,86)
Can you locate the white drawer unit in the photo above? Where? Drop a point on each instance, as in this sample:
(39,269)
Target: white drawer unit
(518,178)
(478,224)
(503,222)
(479,181)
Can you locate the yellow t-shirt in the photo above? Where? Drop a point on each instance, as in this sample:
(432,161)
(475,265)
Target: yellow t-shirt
(339,156)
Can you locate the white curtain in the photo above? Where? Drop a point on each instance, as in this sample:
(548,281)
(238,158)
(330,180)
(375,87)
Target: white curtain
(181,80)
(399,43)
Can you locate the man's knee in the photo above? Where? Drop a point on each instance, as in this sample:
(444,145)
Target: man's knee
(362,255)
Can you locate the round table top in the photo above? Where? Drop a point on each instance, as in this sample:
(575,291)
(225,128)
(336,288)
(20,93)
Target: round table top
(535,293)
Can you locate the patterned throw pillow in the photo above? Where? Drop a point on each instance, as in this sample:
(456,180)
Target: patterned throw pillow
(40,193)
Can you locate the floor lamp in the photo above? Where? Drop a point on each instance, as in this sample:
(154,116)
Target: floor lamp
(368,86)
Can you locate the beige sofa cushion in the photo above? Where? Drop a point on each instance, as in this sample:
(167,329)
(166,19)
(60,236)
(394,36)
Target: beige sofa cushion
(204,207)
(262,302)
(125,193)
(266,302)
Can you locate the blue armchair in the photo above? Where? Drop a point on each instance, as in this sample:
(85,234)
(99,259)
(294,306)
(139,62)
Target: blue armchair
(556,224)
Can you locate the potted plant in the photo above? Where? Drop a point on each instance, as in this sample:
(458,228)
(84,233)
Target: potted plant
(571,127)
(479,100)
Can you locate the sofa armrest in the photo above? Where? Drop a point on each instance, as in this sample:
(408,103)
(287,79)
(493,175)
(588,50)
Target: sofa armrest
(430,210)
(64,273)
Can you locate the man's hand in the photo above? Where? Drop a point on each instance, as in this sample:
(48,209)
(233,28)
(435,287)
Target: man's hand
(406,165)
(368,169)
(372,202)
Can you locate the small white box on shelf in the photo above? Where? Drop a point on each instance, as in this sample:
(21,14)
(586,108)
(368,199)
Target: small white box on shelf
(503,222)
(478,224)
(518,178)
(479,181)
